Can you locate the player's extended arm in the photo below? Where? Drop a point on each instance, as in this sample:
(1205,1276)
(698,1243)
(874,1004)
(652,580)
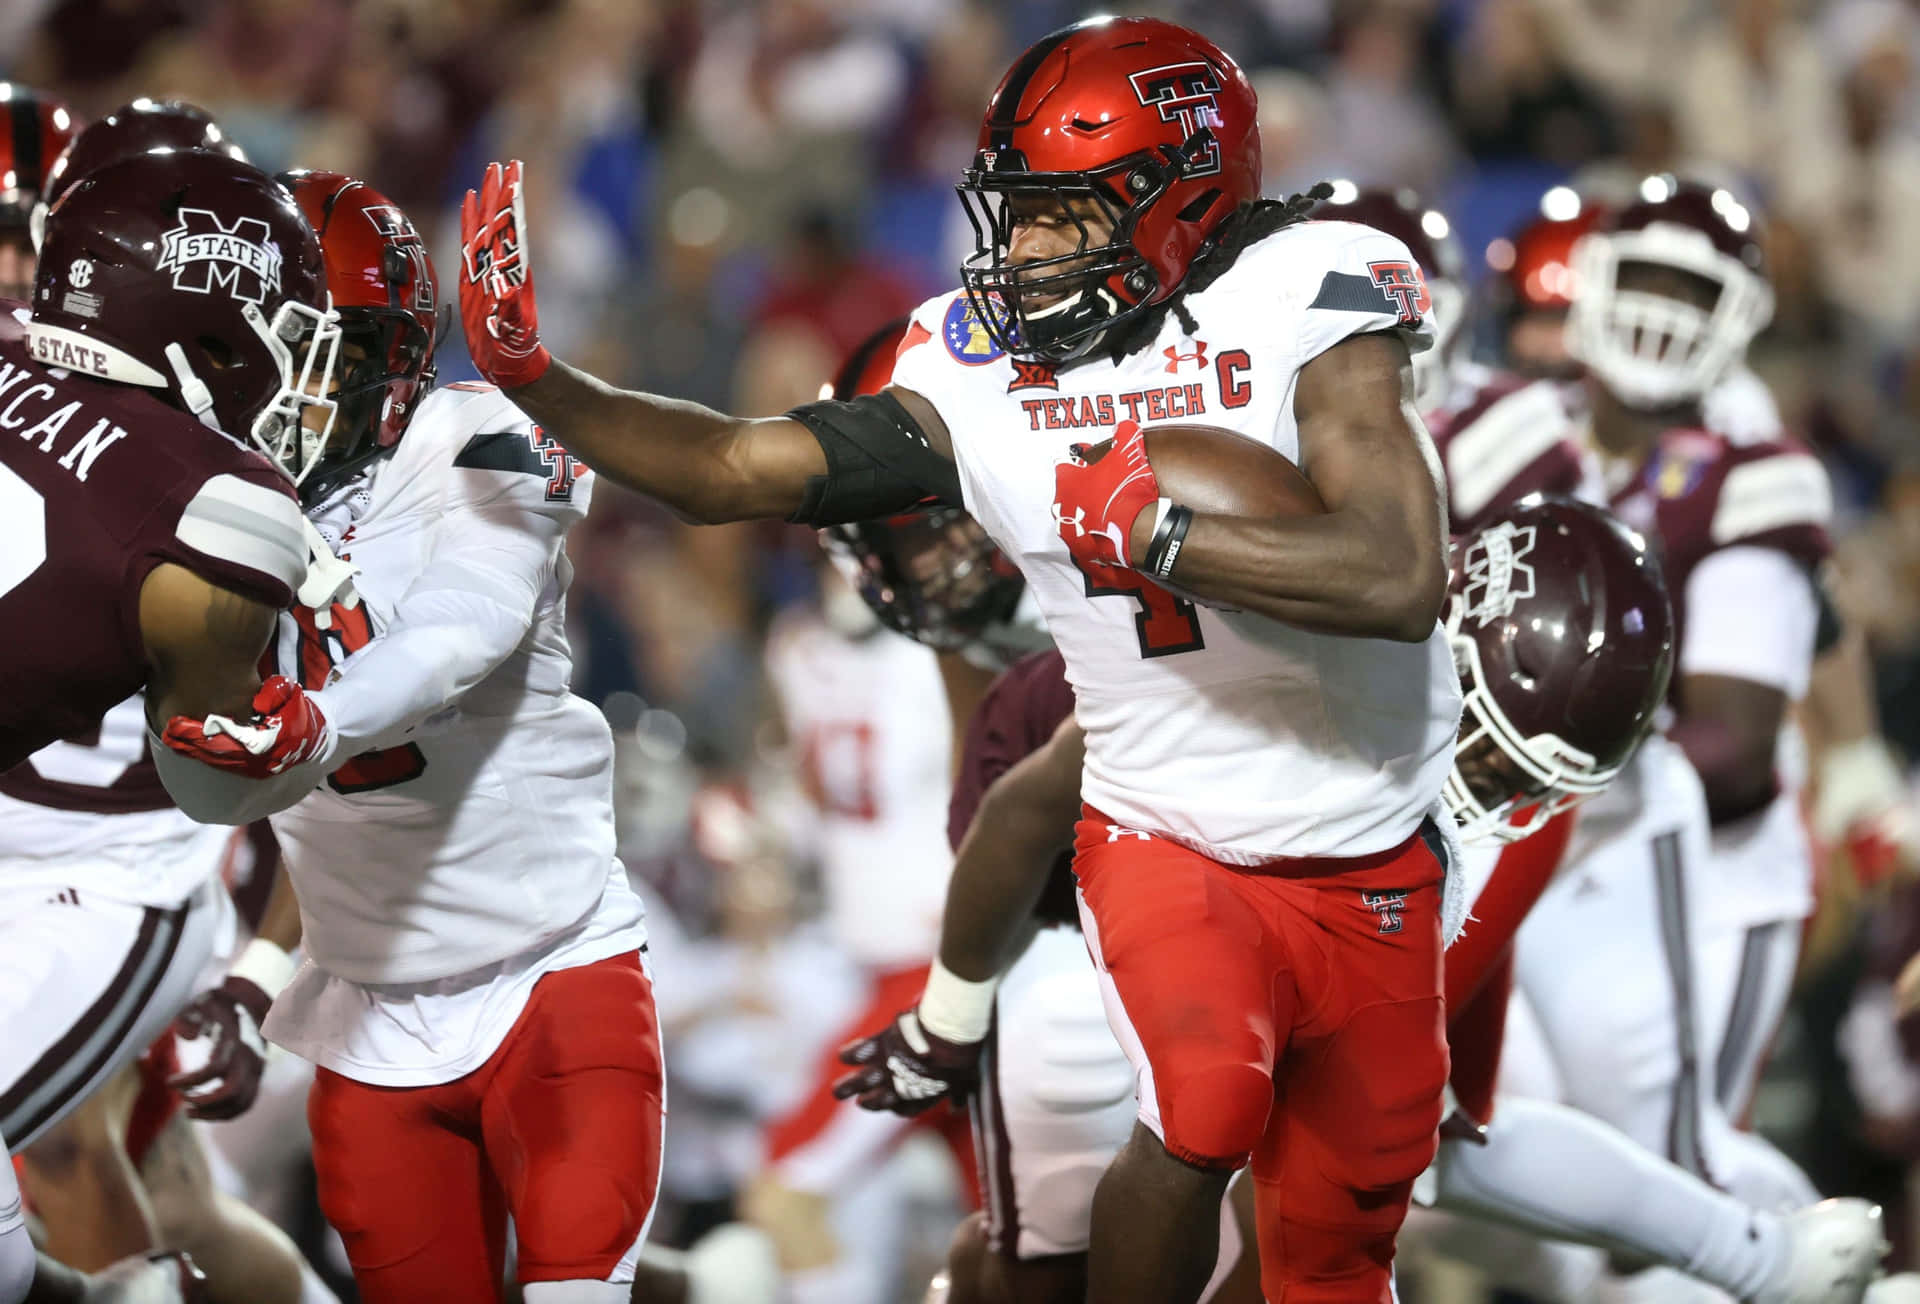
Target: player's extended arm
(706,465)
(1727,728)
(1026,816)
(1375,564)
(931,1052)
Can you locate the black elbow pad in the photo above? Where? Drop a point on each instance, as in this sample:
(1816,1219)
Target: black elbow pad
(878,462)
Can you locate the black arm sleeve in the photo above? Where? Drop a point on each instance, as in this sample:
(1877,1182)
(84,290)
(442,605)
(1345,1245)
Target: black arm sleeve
(878,462)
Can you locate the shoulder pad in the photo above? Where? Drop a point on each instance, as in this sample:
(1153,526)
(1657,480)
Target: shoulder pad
(1774,491)
(249,526)
(1509,441)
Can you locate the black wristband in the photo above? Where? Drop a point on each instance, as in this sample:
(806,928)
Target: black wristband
(1164,549)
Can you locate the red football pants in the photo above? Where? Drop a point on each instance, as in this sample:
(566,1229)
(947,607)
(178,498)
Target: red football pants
(1291,1014)
(1479,966)
(825,1144)
(561,1127)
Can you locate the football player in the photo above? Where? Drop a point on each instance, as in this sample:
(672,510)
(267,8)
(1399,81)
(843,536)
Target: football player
(1127,272)
(87,820)
(866,713)
(36,128)
(1537,587)
(475,992)
(169,342)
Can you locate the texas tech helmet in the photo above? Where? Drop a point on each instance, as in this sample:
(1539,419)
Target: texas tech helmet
(383,288)
(34,129)
(1150,123)
(1562,633)
(194,275)
(1429,237)
(931,574)
(1653,350)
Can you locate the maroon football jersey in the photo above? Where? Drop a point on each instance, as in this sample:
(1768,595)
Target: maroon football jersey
(1015,718)
(100,483)
(1700,492)
(1501,439)
(106,771)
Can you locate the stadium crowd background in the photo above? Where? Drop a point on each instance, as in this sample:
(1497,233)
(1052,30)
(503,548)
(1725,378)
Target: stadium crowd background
(729,194)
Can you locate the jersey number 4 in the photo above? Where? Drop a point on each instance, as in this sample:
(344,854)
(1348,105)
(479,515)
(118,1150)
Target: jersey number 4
(320,650)
(1166,625)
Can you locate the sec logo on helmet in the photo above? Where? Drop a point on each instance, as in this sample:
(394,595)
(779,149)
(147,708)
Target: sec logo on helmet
(968,339)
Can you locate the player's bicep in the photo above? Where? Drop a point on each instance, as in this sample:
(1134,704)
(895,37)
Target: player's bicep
(203,643)
(1360,433)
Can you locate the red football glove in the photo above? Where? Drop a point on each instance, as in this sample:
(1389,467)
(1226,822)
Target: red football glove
(221,1051)
(286,729)
(1095,503)
(496,289)
(905,1069)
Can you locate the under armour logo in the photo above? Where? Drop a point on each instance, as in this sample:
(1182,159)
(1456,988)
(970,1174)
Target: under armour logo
(1116,831)
(1388,906)
(204,253)
(1198,357)
(1078,520)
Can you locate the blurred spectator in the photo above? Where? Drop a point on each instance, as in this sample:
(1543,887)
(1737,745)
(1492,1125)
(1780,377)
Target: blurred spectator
(1513,97)
(1757,95)
(1386,127)
(820,283)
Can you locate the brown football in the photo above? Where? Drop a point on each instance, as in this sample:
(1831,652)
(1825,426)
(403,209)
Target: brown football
(1214,470)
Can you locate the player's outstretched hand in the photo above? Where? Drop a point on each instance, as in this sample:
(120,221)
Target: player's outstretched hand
(220,1049)
(1097,496)
(906,1069)
(287,729)
(497,307)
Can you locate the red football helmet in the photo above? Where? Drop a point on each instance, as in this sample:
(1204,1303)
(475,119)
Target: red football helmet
(136,128)
(1651,349)
(384,290)
(1150,122)
(194,275)
(1562,632)
(34,129)
(931,574)
(1429,237)
(1533,283)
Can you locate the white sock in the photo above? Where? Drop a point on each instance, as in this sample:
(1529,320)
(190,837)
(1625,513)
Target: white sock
(1562,1174)
(577,1292)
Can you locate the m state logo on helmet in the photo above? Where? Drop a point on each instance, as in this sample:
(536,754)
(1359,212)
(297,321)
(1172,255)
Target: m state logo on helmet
(193,274)
(1562,633)
(383,288)
(206,255)
(1148,122)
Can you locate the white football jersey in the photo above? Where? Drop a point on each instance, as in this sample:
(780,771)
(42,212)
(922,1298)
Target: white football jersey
(1236,735)
(482,828)
(869,719)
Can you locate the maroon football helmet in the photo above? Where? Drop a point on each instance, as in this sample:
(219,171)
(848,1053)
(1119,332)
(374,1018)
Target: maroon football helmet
(1650,349)
(1429,237)
(195,275)
(1150,122)
(1562,633)
(931,574)
(136,128)
(383,287)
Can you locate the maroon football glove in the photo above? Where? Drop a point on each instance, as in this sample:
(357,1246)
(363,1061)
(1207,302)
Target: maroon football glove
(287,729)
(906,1069)
(221,1051)
(497,307)
(1095,503)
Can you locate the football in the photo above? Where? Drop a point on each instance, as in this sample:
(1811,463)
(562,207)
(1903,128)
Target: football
(1214,470)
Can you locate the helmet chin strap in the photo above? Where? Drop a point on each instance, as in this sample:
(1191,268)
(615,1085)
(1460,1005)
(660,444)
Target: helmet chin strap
(193,391)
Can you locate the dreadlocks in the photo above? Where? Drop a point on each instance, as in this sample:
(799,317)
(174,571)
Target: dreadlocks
(1249,224)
